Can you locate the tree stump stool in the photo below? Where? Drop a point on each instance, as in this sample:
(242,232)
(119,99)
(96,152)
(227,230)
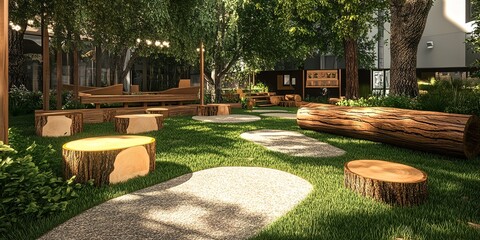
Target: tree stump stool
(208,110)
(221,108)
(392,183)
(158,110)
(58,124)
(138,123)
(287,103)
(109,159)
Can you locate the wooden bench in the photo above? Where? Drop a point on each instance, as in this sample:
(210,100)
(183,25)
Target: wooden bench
(287,103)
(58,124)
(388,182)
(138,123)
(109,159)
(158,110)
(176,95)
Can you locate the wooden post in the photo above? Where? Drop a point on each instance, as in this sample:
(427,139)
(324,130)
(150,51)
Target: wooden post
(45,64)
(59,79)
(4,71)
(202,63)
(98,66)
(75,72)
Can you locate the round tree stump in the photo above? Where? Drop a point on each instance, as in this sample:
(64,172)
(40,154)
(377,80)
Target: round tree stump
(109,159)
(221,108)
(158,110)
(138,123)
(392,183)
(58,124)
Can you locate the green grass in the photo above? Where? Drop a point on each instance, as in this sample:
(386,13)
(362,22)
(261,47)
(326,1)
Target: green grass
(329,212)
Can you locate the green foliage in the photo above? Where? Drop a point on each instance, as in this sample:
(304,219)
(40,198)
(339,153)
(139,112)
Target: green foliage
(380,101)
(28,188)
(23,101)
(316,99)
(260,87)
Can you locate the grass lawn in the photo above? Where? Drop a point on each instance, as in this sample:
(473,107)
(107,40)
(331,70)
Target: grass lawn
(329,212)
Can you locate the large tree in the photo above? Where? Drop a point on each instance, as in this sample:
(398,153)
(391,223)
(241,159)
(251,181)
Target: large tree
(408,19)
(339,26)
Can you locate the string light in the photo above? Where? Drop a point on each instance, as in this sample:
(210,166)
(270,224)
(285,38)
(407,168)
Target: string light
(157,43)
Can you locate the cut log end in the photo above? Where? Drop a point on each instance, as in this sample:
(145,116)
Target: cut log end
(471,138)
(392,183)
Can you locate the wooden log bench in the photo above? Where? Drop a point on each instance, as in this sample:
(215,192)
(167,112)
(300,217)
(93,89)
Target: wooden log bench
(221,108)
(109,159)
(287,103)
(392,183)
(158,110)
(138,123)
(444,133)
(58,124)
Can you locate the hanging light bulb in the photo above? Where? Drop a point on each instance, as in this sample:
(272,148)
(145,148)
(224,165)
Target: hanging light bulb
(148,42)
(157,43)
(139,40)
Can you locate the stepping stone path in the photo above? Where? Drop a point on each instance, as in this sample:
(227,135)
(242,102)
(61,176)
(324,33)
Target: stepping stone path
(281,115)
(292,143)
(217,203)
(269,111)
(232,118)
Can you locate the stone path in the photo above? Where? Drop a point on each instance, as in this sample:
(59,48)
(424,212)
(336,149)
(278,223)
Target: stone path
(292,143)
(218,203)
(281,115)
(232,118)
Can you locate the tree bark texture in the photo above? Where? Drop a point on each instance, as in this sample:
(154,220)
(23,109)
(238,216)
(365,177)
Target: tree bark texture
(351,62)
(98,164)
(42,122)
(444,133)
(59,78)
(163,111)
(408,19)
(403,193)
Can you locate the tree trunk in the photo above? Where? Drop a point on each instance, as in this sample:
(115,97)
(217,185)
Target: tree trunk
(15,57)
(444,133)
(351,62)
(109,159)
(388,182)
(59,78)
(407,24)
(98,66)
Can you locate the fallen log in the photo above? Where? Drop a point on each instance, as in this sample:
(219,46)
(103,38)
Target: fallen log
(444,133)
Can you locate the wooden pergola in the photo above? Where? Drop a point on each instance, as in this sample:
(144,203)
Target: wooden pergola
(4,71)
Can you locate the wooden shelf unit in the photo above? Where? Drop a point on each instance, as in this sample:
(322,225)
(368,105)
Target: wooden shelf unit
(322,79)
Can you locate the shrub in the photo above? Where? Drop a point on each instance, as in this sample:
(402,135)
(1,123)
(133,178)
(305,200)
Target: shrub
(22,101)
(28,188)
(379,101)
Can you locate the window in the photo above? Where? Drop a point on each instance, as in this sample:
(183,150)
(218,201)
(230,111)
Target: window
(471,10)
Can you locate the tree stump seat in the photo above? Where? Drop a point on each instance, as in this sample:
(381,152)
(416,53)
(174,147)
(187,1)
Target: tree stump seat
(392,183)
(213,109)
(58,124)
(287,103)
(138,123)
(157,110)
(109,159)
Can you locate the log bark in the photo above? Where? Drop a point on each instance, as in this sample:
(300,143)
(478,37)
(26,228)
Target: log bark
(444,133)
(58,124)
(138,123)
(207,110)
(109,159)
(220,108)
(388,182)
(351,63)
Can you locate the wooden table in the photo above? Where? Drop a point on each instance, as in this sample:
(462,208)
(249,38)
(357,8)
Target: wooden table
(388,182)
(109,159)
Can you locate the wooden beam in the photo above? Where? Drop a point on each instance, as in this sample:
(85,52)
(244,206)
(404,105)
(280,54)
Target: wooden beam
(75,72)
(202,73)
(59,79)
(4,71)
(45,64)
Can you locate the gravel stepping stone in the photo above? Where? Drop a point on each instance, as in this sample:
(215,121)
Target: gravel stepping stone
(280,115)
(292,143)
(232,118)
(268,110)
(217,203)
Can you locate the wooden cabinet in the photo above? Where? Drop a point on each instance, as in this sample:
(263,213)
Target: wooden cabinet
(322,79)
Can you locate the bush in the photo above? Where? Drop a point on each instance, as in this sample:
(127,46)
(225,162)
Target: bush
(379,101)
(28,188)
(22,101)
